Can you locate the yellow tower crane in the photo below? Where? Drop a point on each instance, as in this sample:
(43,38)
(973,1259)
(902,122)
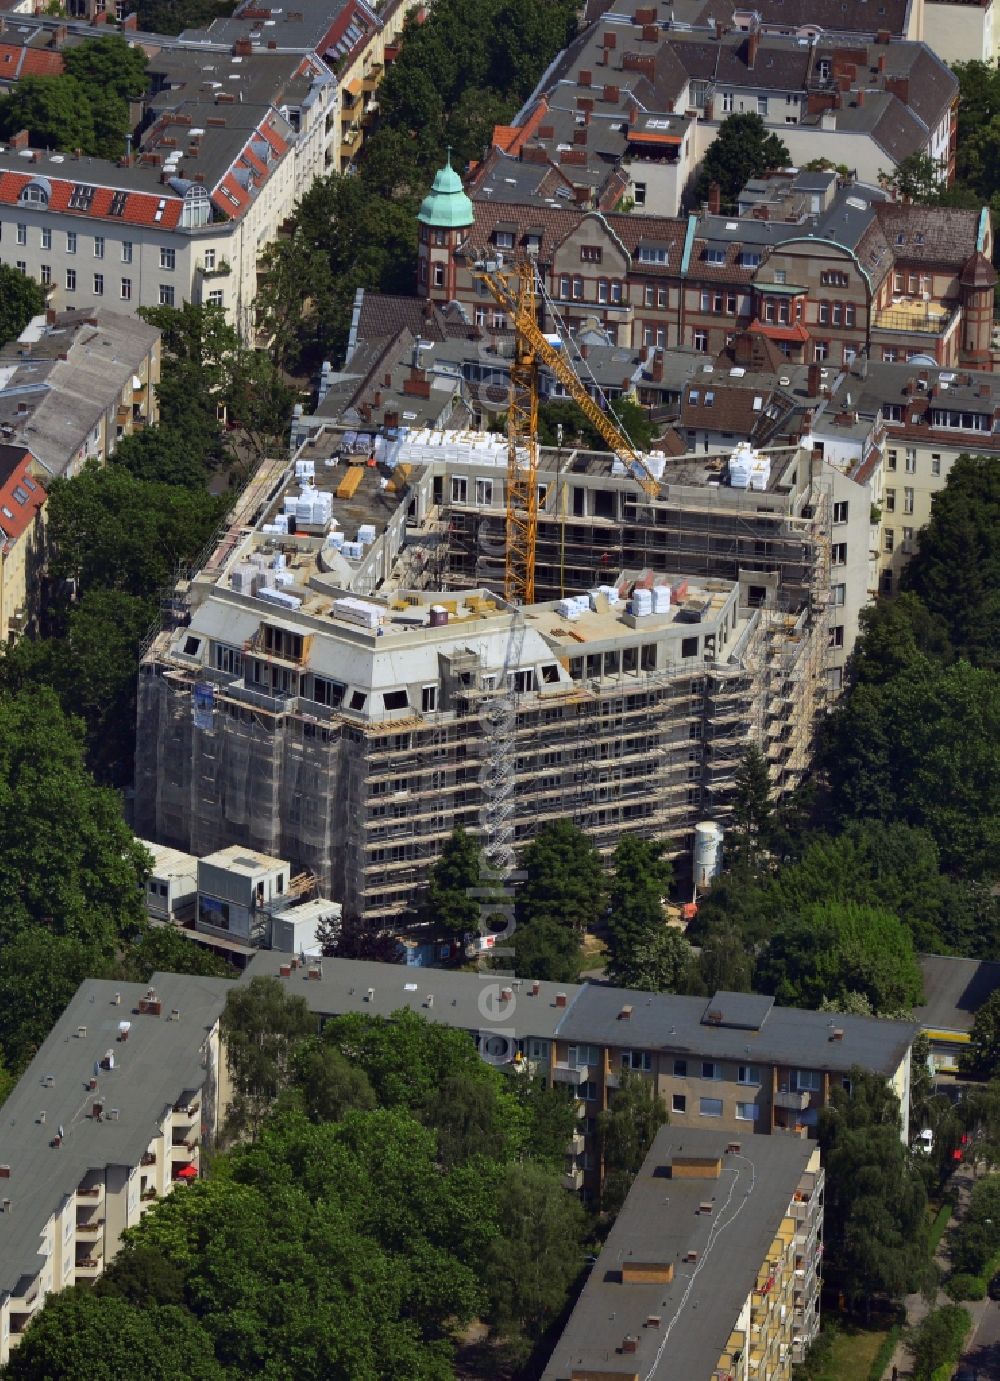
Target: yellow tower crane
(515,289)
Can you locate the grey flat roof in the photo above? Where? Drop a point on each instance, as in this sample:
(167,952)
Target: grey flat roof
(954,989)
(788,1036)
(160,1060)
(459,999)
(660,1222)
(659,1021)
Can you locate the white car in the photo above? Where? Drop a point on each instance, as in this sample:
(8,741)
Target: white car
(925,1142)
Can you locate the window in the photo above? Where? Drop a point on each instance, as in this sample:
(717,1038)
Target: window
(839,593)
(727,102)
(890,501)
(168,258)
(564,286)
(652,254)
(98,284)
(395,700)
(848,313)
(428,699)
(907,539)
(711,1070)
(459,489)
(715,256)
(439,275)
(701,342)
(640,1061)
(582,1056)
(98,246)
(209,259)
(46,239)
(710,1107)
(639,193)
(22,233)
(577,289)
(891,458)
(590,254)
(538,1050)
(833,279)
(484,493)
(746,1112)
(886,583)
(750,259)
(602,290)
(748,1074)
(71,242)
(587,1090)
(71,280)
(821,350)
(216,298)
(761,105)
(807,1080)
(21,266)
(126,251)
(889,539)
(689,647)
(126,290)
(911,460)
(935,464)
(45,273)
(680,1069)
(907,500)
(679,1102)
(838,553)
(824,313)
(779,275)
(836,636)
(166,295)
(840,511)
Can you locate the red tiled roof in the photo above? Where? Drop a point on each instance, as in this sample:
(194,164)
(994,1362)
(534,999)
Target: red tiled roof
(19,60)
(140,207)
(796,332)
(17,515)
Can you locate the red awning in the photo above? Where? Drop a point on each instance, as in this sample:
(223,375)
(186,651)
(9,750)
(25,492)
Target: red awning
(642,136)
(187,1172)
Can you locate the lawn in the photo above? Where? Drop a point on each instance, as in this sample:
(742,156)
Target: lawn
(850,1355)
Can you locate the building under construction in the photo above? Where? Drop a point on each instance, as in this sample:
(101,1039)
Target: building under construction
(318,692)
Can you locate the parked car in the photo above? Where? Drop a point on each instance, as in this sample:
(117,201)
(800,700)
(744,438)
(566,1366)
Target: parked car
(924,1142)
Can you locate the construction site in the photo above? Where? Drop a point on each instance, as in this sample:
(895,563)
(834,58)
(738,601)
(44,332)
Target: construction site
(325,687)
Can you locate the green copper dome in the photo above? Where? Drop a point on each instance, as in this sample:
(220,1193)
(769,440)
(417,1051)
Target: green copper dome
(446,206)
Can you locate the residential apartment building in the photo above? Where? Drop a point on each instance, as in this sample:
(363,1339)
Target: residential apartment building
(735,1063)
(631,108)
(850,271)
(711,1270)
(107,1119)
(232,142)
(22,540)
(74,383)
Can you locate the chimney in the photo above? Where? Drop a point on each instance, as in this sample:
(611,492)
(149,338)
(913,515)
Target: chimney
(285,970)
(536,988)
(130,23)
(19,140)
(883,36)
(650,33)
(720,30)
(611,94)
(560,999)
(656,369)
(584,79)
(630,1344)
(753,43)
(714,198)
(626,1012)
(837,1034)
(881,62)
(860,96)
(370,996)
(813,383)
(4,1172)
(242,48)
(610,40)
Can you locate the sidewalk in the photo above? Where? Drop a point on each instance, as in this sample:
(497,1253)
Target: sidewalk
(916,1306)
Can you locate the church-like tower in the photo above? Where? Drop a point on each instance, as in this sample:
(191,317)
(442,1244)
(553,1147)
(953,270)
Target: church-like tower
(977,283)
(445,213)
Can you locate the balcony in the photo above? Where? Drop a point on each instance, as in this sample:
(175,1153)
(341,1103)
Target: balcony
(91,1194)
(89,1266)
(91,1228)
(913,316)
(210,268)
(568,1074)
(576,1145)
(796,1100)
(573,1180)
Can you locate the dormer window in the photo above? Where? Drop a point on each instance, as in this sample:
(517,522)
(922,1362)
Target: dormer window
(504,239)
(37,192)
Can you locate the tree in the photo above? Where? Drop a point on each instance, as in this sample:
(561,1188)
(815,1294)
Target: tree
(21,298)
(161,455)
(109,64)
(937,1340)
(547,950)
(528,1268)
(450,902)
(976,1239)
(724,963)
(661,962)
(876,1228)
(955,572)
(564,880)
(162,949)
(625,1133)
(578,430)
(262,1024)
(752,808)
(744,148)
(56,112)
(109,530)
(917,177)
(329,1085)
(639,885)
(81,1336)
(834,949)
(981,1058)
